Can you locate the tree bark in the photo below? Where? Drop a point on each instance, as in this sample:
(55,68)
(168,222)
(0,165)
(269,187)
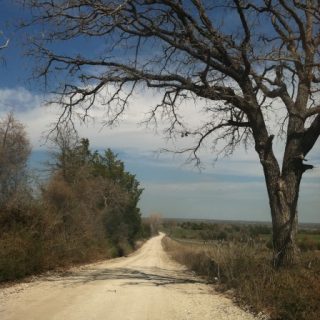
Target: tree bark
(283,191)
(282,185)
(283,195)
(284,222)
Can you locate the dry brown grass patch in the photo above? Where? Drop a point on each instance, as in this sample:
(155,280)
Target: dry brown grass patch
(290,294)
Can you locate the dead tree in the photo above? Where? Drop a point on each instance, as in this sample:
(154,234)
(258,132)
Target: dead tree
(14,153)
(245,59)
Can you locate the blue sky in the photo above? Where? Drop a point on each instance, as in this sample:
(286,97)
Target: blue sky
(232,188)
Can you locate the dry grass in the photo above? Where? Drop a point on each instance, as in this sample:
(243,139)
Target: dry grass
(64,228)
(289,294)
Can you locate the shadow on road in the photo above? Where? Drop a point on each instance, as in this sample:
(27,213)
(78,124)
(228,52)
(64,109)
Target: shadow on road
(147,276)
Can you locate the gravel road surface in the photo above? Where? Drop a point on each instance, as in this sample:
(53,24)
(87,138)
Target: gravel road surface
(147,285)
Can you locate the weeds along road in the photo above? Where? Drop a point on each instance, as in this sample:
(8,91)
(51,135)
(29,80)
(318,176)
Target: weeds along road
(145,285)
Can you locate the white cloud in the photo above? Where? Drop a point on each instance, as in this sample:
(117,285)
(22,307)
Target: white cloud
(38,119)
(244,198)
(18,100)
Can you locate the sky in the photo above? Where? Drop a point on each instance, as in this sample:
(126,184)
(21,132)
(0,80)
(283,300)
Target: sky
(232,188)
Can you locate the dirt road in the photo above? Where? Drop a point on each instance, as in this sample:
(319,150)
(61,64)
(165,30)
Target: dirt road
(144,286)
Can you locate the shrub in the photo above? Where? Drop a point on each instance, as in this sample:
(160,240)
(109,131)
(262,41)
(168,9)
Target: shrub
(289,294)
(86,210)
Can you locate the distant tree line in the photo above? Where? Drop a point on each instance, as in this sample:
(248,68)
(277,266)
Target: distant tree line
(307,240)
(86,209)
(218,231)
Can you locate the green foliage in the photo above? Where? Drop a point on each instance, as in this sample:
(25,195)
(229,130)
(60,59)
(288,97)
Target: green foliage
(124,221)
(117,191)
(145,231)
(87,210)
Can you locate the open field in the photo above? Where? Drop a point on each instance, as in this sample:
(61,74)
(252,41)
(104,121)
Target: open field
(308,237)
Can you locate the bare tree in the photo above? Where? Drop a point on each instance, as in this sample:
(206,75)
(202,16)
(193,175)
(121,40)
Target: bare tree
(246,59)
(62,145)
(14,153)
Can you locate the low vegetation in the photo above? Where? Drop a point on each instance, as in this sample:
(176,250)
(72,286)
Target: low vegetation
(307,238)
(238,260)
(85,210)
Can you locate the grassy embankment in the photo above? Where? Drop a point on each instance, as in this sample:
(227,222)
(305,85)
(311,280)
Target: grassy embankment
(238,259)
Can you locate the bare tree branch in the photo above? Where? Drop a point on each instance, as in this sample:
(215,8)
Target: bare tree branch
(267,59)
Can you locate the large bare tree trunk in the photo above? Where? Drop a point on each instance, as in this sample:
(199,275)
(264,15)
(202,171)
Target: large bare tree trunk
(282,185)
(283,204)
(283,191)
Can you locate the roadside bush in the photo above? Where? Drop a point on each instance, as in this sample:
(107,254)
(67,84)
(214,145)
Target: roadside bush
(85,211)
(20,245)
(289,294)
(145,231)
